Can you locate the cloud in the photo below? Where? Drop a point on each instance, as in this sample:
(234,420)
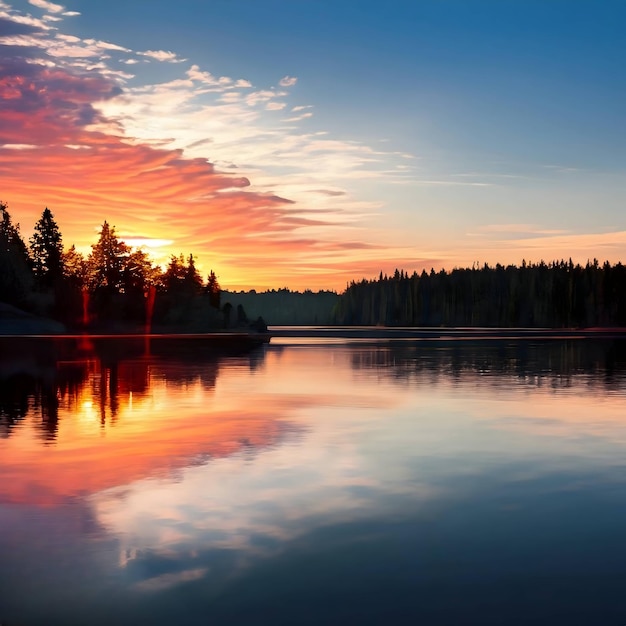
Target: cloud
(222,83)
(164,56)
(275,106)
(105,45)
(28,20)
(200,142)
(194,73)
(47,105)
(299,118)
(288,81)
(264,95)
(199,160)
(51,7)
(11,28)
(331,192)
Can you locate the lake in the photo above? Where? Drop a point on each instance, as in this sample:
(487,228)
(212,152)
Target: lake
(314,481)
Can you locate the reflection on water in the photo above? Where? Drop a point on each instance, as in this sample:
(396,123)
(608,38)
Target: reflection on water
(40,378)
(303,483)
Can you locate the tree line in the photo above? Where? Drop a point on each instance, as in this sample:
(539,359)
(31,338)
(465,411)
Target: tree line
(283,307)
(559,294)
(113,284)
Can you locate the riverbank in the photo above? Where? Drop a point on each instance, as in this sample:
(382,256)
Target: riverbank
(391,333)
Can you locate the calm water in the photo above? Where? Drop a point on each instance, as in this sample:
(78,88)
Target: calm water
(315,482)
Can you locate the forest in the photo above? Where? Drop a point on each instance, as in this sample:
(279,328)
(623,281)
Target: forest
(118,287)
(114,287)
(559,294)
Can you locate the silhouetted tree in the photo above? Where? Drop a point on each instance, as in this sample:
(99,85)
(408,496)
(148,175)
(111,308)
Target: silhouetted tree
(46,248)
(556,294)
(182,277)
(71,302)
(213,290)
(174,276)
(139,273)
(193,280)
(107,260)
(75,268)
(16,277)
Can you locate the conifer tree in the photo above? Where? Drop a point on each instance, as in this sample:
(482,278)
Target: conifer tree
(108,259)
(213,290)
(75,268)
(174,275)
(139,273)
(193,280)
(15,270)
(46,249)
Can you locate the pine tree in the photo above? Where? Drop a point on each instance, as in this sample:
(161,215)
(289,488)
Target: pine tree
(107,260)
(75,268)
(15,271)
(46,249)
(139,273)
(213,290)
(174,275)
(193,280)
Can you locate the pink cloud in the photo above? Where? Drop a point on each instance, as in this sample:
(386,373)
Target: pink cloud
(82,165)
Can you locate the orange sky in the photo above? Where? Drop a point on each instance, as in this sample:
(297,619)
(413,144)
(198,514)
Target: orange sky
(158,197)
(239,172)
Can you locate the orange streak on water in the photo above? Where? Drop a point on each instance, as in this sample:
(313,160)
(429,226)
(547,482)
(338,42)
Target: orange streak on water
(106,441)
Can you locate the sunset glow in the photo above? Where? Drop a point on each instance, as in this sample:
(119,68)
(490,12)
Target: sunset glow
(309,167)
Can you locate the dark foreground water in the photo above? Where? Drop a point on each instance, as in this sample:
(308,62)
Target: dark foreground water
(315,482)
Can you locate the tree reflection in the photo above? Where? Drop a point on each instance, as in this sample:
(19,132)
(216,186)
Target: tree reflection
(38,377)
(602,363)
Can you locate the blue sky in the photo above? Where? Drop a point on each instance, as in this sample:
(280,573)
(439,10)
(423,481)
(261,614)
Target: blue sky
(440,132)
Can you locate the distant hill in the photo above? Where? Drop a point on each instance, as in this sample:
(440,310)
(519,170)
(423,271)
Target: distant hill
(283,307)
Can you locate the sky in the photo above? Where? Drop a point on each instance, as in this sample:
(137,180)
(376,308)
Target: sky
(308,143)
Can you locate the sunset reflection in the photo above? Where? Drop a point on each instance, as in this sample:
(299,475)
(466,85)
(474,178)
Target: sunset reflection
(107,422)
(434,430)
(204,475)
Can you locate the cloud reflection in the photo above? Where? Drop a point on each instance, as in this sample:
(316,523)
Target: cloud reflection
(359,457)
(108,420)
(350,451)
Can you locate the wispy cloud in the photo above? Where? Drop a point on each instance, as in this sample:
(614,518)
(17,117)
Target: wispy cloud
(165,56)
(51,7)
(299,118)
(275,106)
(201,161)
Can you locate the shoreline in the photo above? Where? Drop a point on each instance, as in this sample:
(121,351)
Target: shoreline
(446,334)
(334,332)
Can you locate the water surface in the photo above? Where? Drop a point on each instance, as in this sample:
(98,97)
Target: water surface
(315,482)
